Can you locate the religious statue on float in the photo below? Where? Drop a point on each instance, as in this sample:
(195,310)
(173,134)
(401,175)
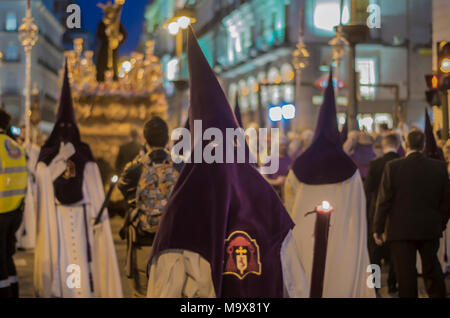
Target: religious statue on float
(111,34)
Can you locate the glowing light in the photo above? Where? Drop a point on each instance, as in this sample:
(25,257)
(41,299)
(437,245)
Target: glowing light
(325,207)
(434,82)
(16,131)
(173,28)
(445,66)
(183,22)
(288,111)
(172,67)
(275,113)
(114,179)
(127,66)
(326,15)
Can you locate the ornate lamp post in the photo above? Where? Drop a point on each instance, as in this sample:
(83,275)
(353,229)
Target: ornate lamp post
(28,36)
(300,60)
(338,44)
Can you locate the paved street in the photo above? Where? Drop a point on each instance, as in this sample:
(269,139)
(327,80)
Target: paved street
(24,263)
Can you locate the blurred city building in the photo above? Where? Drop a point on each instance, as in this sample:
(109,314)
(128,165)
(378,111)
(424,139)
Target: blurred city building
(59,10)
(47,59)
(250,42)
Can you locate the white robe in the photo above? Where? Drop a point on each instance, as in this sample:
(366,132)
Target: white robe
(61,241)
(347,256)
(185,274)
(26,234)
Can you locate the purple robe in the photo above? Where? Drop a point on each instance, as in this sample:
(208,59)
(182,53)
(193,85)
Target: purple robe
(227,213)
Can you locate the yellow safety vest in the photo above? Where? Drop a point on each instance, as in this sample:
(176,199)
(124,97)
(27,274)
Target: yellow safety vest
(13,174)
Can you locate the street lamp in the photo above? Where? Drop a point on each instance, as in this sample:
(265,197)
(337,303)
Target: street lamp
(175,27)
(181,21)
(28,36)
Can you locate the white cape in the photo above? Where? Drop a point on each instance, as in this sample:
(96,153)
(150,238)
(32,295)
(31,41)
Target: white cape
(26,234)
(347,256)
(62,242)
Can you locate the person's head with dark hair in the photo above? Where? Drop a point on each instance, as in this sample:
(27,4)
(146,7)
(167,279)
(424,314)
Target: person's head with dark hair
(134,134)
(156,132)
(384,127)
(415,140)
(390,142)
(5,119)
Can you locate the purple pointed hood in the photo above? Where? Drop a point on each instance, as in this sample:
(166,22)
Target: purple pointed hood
(237,112)
(325,162)
(68,189)
(213,211)
(431,148)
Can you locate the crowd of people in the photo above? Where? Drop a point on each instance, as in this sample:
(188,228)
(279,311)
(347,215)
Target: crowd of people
(337,204)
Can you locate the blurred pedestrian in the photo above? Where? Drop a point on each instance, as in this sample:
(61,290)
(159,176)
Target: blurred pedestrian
(13,185)
(128,151)
(414,199)
(146,183)
(278,178)
(389,144)
(359,147)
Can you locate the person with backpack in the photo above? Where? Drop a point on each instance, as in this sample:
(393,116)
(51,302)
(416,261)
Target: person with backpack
(146,184)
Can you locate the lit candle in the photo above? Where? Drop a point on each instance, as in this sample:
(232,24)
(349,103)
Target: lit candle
(323,212)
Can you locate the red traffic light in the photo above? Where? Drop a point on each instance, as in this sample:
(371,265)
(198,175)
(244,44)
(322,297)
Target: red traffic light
(432,81)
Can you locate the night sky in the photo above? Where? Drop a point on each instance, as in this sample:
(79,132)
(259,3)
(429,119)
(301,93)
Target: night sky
(132,18)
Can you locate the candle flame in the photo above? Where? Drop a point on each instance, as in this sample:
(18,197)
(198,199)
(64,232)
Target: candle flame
(324,207)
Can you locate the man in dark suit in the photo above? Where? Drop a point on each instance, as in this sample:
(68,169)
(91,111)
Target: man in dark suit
(128,151)
(389,144)
(415,196)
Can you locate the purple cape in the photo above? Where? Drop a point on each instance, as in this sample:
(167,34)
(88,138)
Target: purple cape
(362,157)
(227,213)
(69,186)
(325,162)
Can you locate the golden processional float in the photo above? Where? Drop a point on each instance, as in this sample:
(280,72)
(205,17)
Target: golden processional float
(113,97)
(108,111)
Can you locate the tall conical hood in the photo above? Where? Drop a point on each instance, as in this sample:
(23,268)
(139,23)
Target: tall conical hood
(66,112)
(237,112)
(67,190)
(325,162)
(212,208)
(431,148)
(208,101)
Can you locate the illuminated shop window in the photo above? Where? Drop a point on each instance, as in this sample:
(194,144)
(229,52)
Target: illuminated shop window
(232,90)
(11,21)
(365,122)
(326,14)
(253,92)
(383,118)
(367,76)
(243,95)
(12,52)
